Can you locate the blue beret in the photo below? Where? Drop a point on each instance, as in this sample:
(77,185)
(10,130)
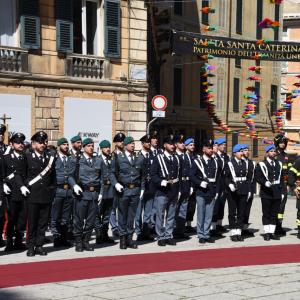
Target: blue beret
(104,144)
(269,147)
(87,141)
(237,148)
(220,141)
(245,146)
(189,141)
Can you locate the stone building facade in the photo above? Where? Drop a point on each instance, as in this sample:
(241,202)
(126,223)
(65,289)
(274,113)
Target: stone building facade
(80,66)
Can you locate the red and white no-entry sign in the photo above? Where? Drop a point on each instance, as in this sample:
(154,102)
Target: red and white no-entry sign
(159,102)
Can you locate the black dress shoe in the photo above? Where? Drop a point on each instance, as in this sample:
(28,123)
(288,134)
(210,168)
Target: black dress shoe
(247,233)
(9,246)
(279,231)
(19,246)
(170,242)
(202,241)
(161,243)
(40,251)
(240,238)
(181,236)
(130,243)
(214,233)
(57,243)
(298,234)
(274,237)
(87,247)
(140,238)
(78,247)
(267,236)
(234,238)
(123,244)
(210,240)
(115,233)
(2,243)
(30,252)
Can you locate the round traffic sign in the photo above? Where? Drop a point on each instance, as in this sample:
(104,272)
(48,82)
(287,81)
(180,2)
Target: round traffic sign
(159,102)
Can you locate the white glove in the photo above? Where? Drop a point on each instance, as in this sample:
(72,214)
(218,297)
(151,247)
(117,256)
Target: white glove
(119,187)
(179,195)
(6,189)
(142,194)
(191,191)
(203,184)
(100,198)
(24,190)
(216,196)
(164,183)
(268,184)
(232,187)
(77,190)
(282,196)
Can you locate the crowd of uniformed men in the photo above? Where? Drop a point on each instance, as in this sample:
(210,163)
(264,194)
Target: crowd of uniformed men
(153,193)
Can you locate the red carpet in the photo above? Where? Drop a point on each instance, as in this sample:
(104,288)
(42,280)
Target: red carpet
(97,267)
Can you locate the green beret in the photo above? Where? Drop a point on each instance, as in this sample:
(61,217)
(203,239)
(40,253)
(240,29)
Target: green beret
(128,140)
(75,138)
(104,144)
(87,141)
(62,141)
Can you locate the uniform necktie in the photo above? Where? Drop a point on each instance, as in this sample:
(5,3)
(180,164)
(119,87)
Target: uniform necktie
(272,163)
(131,159)
(155,152)
(64,160)
(90,161)
(107,161)
(147,155)
(41,158)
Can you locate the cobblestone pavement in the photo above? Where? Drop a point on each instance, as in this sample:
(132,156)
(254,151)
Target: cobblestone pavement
(251,282)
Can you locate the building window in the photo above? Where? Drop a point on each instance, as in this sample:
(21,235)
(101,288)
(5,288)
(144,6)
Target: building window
(274,97)
(177,86)
(239,16)
(8,24)
(257,92)
(255,147)
(236,94)
(204,16)
(235,139)
(86,27)
(178,7)
(277,18)
(259,16)
(238,63)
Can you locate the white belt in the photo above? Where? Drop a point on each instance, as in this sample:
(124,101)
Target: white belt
(43,173)
(276,182)
(185,178)
(211,179)
(240,178)
(172,181)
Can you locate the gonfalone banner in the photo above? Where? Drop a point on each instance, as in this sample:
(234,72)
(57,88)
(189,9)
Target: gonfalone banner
(197,44)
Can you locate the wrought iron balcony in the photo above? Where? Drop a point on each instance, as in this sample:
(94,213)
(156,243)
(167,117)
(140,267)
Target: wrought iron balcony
(83,66)
(13,60)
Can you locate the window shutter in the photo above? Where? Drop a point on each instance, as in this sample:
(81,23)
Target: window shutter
(259,17)
(204,17)
(112,28)
(30,24)
(277,18)
(239,16)
(64,25)
(177,86)
(235,139)
(257,91)
(274,96)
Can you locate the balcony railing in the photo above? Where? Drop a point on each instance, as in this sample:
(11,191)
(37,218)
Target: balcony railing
(13,60)
(82,66)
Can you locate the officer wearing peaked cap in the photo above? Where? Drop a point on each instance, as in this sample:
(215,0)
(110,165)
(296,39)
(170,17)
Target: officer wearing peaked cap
(118,140)
(86,187)
(268,174)
(185,188)
(204,174)
(144,209)
(14,167)
(280,142)
(166,175)
(41,183)
(107,193)
(237,181)
(63,200)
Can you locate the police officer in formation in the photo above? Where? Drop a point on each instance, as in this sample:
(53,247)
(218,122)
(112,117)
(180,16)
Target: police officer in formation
(237,180)
(144,209)
(130,186)
(79,191)
(251,168)
(270,177)
(63,201)
(205,174)
(107,193)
